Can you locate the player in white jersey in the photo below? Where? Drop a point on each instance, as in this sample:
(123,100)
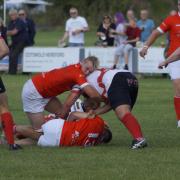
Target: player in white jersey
(120,88)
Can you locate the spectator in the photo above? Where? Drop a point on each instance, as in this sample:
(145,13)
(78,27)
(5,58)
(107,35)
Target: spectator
(130,15)
(17,29)
(146,25)
(76,26)
(103,31)
(133,35)
(120,36)
(3,31)
(30,25)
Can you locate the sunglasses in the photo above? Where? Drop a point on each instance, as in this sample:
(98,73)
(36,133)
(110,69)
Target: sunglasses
(21,14)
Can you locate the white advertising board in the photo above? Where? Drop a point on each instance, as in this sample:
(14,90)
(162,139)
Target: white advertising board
(151,61)
(4,63)
(41,59)
(106,56)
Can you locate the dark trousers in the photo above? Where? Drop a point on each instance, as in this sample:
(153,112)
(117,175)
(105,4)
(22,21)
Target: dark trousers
(15,51)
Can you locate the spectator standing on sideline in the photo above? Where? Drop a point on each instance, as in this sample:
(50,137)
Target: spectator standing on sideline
(6,118)
(171,25)
(30,25)
(133,35)
(120,36)
(17,29)
(145,24)
(75,28)
(104,31)
(3,31)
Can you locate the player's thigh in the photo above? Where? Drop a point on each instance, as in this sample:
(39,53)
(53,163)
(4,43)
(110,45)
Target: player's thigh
(176,84)
(36,119)
(3,103)
(54,106)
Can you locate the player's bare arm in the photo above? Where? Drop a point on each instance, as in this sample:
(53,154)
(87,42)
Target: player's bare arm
(172,58)
(155,34)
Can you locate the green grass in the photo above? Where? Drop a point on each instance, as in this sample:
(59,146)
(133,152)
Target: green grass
(160,161)
(50,38)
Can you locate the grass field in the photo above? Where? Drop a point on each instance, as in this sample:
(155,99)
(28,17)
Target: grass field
(51,37)
(160,161)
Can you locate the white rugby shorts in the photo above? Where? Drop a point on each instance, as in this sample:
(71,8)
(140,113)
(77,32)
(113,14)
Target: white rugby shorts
(33,102)
(52,131)
(174,70)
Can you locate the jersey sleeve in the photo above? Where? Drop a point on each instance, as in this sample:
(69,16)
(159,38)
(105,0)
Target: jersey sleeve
(81,79)
(165,25)
(76,88)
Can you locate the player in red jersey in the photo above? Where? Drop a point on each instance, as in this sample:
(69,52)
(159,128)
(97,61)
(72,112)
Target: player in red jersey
(39,93)
(172,25)
(6,118)
(87,130)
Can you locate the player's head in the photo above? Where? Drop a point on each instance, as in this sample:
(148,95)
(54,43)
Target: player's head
(91,104)
(89,64)
(13,14)
(172,12)
(73,12)
(106,136)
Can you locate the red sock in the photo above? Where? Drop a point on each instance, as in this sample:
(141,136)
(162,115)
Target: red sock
(132,125)
(177,107)
(7,124)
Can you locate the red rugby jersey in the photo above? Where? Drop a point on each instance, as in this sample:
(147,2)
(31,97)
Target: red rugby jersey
(172,25)
(84,132)
(57,81)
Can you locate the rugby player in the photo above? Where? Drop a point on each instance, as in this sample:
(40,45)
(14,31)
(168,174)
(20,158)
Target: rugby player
(172,25)
(85,129)
(6,118)
(39,93)
(120,88)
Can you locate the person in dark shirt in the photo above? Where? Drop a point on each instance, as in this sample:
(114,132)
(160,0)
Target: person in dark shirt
(104,31)
(30,25)
(18,31)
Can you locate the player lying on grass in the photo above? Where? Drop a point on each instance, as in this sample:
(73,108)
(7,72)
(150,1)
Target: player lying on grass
(172,58)
(83,129)
(39,93)
(119,88)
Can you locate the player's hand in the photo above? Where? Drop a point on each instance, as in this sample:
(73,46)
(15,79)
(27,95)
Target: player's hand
(143,51)
(162,64)
(14,147)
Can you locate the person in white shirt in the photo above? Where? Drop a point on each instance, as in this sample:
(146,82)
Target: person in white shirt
(75,28)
